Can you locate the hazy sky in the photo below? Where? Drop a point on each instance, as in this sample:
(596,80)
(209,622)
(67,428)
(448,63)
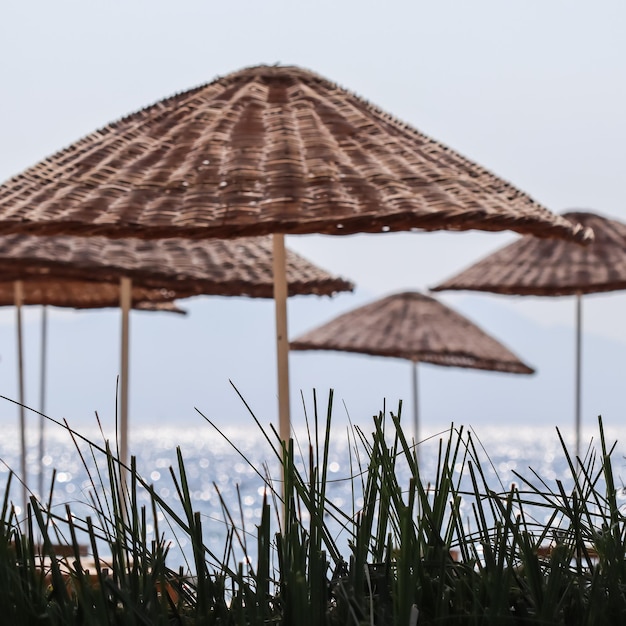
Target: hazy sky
(533,90)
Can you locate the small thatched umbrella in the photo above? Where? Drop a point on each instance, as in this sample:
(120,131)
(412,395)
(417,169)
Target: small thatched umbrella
(264,150)
(535,267)
(416,327)
(85,273)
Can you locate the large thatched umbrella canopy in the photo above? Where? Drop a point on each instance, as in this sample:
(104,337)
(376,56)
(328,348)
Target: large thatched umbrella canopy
(416,327)
(536,267)
(264,150)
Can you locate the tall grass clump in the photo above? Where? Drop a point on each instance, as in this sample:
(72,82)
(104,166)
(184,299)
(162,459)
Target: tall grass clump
(408,549)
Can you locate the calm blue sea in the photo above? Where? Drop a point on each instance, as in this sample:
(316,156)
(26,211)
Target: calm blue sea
(221,478)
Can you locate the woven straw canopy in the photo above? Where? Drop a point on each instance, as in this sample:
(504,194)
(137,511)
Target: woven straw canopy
(238,267)
(84,295)
(535,267)
(264,150)
(167,307)
(415,327)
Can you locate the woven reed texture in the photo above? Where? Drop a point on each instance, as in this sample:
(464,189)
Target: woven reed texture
(264,150)
(166,307)
(237,267)
(416,327)
(84,295)
(534,267)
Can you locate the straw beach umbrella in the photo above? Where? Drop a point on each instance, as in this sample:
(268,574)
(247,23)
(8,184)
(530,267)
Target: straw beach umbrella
(79,294)
(86,272)
(183,267)
(264,150)
(415,327)
(534,267)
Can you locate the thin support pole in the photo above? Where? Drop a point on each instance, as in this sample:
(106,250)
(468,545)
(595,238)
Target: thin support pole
(282,340)
(125,304)
(18,293)
(415,406)
(42,394)
(579,316)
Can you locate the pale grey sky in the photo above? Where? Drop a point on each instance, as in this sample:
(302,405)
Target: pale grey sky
(533,90)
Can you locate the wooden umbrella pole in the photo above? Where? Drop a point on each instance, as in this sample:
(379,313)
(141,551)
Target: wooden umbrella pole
(42,394)
(18,292)
(125,304)
(578,369)
(282,339)
(415,406)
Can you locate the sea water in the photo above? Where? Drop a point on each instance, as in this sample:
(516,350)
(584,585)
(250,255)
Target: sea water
(228,474)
